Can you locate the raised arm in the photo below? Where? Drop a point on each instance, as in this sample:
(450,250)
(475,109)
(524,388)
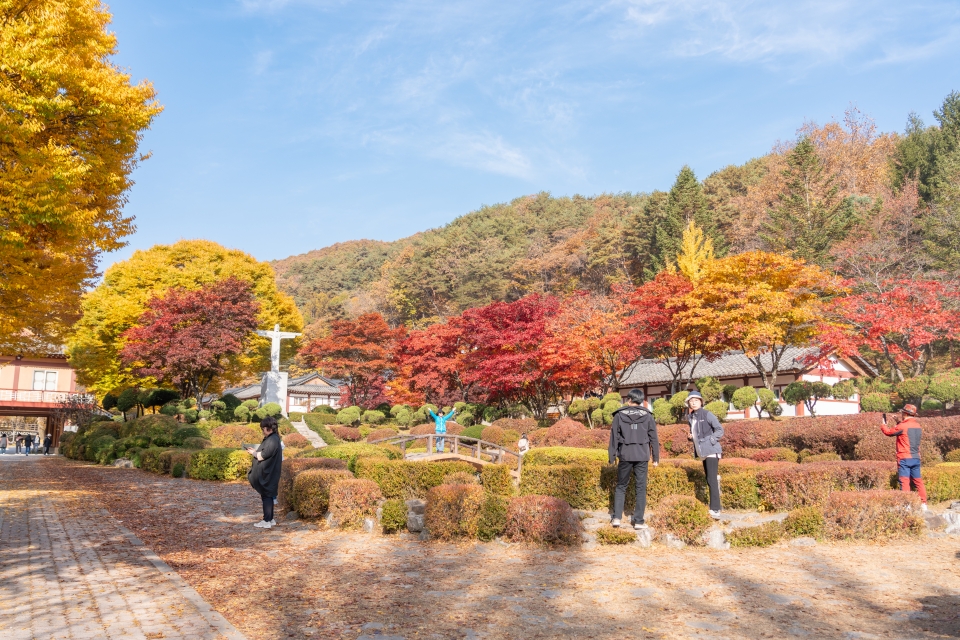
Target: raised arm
(891,431)
(432,414)
(450,415)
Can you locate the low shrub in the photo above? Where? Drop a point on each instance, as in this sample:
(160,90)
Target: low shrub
(718,408)
(393,517)
(427,428)
(764,535)
(874,445)
(496,479)
(408,478)
(615,535)
(821,457)
(562,455)
(492,434)
(181,434)
(453,510)
(578,484)
(461,477)
(219,464)
(591,439)
(295,440)
(347,434)
(805,521)
(317,422)
(473,432)
(296,416)
(151,460)
(751,434)
(542,520)
(942,482)
(739,490)
(662,481)
(787,486)
(231,436)
(381,434)
(292,466)
(311,490)
(352,451)
(775,454)
(197,443)
(372,417)
(173,457)
(493,516)
(352,501)
(684,517)
(872,515)
(952,456)
(520,425)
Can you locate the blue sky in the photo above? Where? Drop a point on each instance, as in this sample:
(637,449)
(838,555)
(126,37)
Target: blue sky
(294,124)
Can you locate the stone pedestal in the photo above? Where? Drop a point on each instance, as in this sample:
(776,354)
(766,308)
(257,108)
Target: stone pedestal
(273,388)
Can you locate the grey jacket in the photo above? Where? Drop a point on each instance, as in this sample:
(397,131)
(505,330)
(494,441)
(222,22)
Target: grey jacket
(707,432)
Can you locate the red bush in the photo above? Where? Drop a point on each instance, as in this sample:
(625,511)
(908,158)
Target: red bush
(590,439)
(874,445)
(347,434)
(542,519)
(750,434)
(785,486)
(871,515)
(295,440)
(427,428)
(569,433)
(380,434)
(775,454)
(352,501)
(673,438)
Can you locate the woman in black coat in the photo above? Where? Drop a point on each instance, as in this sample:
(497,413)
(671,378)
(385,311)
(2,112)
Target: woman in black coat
(264,474)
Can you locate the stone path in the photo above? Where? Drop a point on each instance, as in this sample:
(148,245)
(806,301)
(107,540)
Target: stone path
(69,570)
(309,434)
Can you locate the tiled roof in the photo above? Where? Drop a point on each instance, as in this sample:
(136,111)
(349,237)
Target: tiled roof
(729,365)
(313,388)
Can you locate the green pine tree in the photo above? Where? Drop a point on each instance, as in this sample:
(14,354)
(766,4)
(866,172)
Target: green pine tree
(686,203)
(811,216)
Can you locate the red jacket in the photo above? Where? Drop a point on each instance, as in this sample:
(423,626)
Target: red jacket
(908,438)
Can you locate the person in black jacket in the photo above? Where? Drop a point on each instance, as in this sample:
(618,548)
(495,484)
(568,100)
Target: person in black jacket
(264,474)
(634,440)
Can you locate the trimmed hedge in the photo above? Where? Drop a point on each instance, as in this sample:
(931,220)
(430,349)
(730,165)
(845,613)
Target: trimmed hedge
(453,510)
(352,451)
(231,436)
(662,481)
(578,484)
(805,521)
(684,517)
(496,479)
(739,490)
(874,445)
(219,464)
(871,515)
(173,457)
(380,434)
(352,501)
(942,482)
(317,422)
(393,517)
(788,486)
(150,460)
(562,455)
(542,520)
(775,454)
(407,478)
(292,466)
(311,490)
(563,433)
(493,516)
(347,434)
(952,456)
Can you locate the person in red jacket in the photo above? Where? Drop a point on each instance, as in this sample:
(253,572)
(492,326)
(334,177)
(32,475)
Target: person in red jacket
(908,434)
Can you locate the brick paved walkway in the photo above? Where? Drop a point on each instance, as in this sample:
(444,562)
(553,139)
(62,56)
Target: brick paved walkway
(68,569)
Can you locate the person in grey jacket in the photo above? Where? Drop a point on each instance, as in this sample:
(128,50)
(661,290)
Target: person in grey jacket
(634,440)
(705,432)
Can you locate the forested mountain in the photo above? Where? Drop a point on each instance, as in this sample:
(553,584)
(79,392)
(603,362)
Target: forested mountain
(840,195)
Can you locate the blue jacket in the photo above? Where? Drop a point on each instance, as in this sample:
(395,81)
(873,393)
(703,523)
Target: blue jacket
(441,421)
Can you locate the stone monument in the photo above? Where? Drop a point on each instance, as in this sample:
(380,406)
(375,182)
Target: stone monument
(273,387)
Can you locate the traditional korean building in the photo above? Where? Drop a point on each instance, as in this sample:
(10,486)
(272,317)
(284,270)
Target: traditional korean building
(303,393)
(735,368)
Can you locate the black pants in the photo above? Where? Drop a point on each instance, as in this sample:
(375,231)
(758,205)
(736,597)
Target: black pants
(624,471)
(267,507)
(713,481)
(46,449)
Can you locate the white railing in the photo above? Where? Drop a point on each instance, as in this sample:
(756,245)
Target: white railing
(52,397)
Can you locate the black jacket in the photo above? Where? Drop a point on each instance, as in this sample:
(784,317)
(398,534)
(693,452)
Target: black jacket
(264,475)
(633,436)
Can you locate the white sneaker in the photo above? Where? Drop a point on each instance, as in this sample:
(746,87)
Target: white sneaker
(923,506)
(714,514)
(263,524)
(273,522)
(639,526)
(615,523)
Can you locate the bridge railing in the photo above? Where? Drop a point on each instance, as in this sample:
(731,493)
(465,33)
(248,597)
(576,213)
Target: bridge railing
(458,445)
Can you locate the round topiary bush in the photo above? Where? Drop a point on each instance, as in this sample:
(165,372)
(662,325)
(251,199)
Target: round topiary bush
(492,434)
(663,412)
(542,520)
(683,516)
(349,416)
(372,417)
(875,402)
(381,434)
(311,490)
(719,409)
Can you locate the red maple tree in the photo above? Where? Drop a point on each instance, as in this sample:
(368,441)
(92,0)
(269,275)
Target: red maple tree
(506,354)
(359,351)
(188,338)
(900,320)
(431,365)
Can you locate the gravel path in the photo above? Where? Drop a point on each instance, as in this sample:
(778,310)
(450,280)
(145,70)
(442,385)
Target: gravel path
(298,581)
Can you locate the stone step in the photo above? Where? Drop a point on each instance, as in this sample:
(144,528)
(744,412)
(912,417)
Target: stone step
(309,434)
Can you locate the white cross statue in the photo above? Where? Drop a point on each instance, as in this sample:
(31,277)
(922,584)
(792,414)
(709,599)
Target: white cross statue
(276,336)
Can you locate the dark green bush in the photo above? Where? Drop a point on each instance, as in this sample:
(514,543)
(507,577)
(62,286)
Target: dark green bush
(393,518)
(150,460)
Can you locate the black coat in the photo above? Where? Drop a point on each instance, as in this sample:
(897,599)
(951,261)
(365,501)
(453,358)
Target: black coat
(633,435)
(264,475)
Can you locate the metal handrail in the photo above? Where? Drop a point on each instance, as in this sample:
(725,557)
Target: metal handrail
(475,445)
(27,395)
